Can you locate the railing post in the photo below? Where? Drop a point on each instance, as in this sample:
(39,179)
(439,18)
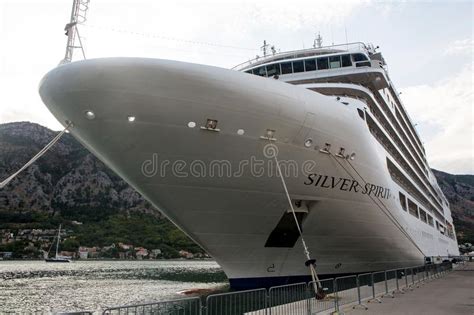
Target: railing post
(358,296)
(374,298)
(398,290)
(386,286)
(409,286)
(336,296)
(308,298)
(268,309)
(406,279)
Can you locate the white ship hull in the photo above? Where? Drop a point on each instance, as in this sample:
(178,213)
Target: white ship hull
(231,217)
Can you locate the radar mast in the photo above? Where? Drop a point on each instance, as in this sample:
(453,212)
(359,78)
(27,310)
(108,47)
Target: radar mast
(318,41)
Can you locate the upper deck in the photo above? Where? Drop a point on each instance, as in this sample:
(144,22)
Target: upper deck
(357,47)
(350,63)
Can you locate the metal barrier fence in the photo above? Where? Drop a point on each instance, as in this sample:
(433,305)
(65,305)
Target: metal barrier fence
(239,302)
(296,299)
(346,290)
(289,299)
(365,287)
(378,285)
(327,302)
(188,306)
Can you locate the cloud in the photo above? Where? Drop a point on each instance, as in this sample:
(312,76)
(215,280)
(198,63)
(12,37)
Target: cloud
(458,47)
(446,107)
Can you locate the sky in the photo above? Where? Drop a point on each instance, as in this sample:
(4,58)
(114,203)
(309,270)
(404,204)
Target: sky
(428,46)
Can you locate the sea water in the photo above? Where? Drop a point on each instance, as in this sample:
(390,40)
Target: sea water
(30,286)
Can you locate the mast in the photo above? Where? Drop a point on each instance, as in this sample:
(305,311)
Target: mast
(59,238)
(264,48)
(318,42)
(78,16)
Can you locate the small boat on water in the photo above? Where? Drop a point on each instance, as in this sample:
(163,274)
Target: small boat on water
(58,258)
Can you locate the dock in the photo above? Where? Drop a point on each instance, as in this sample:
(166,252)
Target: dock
(446,288)
(452,294)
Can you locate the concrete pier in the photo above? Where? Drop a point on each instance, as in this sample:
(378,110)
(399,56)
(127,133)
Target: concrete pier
(452,294)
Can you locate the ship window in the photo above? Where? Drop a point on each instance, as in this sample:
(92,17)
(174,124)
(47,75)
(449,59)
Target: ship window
(298,66)
(430,220)
(413,208)
(359,57)
(310,64)
(285,233)
(286,68)
(323,63)
(273,69)
(361,113)
(249,71)
(261,71)
(335,62)
(346,60)
(403,201)
(423,216)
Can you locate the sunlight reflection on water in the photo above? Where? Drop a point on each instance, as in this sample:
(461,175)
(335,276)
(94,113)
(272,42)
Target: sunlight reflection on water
(27,286)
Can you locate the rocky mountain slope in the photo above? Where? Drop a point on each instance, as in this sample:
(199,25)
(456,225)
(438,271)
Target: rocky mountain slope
(67,176)
(459,190)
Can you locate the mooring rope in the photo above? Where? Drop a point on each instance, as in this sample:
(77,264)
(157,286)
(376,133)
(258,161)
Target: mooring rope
(37,156)
(310,262)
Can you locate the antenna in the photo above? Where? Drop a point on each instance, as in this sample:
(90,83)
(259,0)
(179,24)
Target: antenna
(345,31)
(78,16)
(318,41)
(264,48)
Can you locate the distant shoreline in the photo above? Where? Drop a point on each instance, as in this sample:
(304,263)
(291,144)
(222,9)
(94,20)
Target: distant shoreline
(112,259)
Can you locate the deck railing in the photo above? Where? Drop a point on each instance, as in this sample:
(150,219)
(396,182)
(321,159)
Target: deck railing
(355,47)
(298,299)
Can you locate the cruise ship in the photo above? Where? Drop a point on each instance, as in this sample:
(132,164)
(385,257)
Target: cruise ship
(203,143)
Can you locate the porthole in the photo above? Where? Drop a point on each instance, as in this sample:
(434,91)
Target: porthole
(131,118)
(308,143)
(191,124)
(90,114)
(240,132)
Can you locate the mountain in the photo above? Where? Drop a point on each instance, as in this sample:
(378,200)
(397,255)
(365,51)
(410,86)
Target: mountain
(459,190)
(67,176)
(69,185)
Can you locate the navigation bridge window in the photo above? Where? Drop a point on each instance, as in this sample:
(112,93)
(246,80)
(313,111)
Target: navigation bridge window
(298,66)
(361,60)
(323,63)
(335,62)
(273,70)
(286,67)
(312,64)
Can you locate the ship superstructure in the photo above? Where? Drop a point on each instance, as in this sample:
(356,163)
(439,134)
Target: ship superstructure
(358,71)
(197,142)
